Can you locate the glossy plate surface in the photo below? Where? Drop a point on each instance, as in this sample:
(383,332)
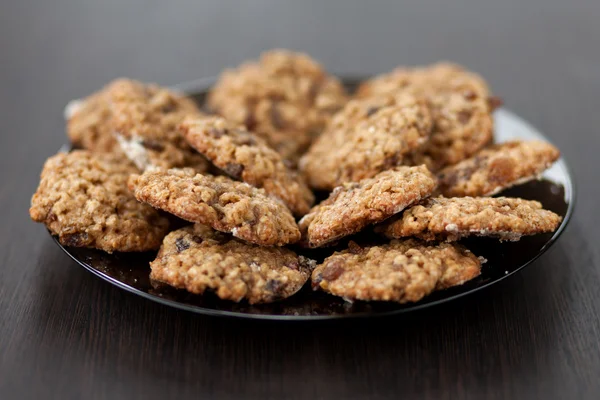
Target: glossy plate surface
(555,191)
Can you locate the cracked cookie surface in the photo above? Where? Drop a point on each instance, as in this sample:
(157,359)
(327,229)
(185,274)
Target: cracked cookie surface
(401,271)
(367,137)
(285,97)
(451,219)
(83,198)
(247,157)
(146,119)
(461,107)
(197,258)
(496,168)
(353,206)
(234,207)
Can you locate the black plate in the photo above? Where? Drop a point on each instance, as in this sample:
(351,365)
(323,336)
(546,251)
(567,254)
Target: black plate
(555,190)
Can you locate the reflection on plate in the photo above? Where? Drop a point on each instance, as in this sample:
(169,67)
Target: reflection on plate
(554,191)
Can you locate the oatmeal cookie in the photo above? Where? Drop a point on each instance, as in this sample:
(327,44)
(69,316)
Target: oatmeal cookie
(285,97)
(496,168)
(89,123)
(228,206)
(461,106)
(83,198)
(451,219)
(353,206)
(197,258)
(401,271)
(247,157)
(146,119)
(368,136)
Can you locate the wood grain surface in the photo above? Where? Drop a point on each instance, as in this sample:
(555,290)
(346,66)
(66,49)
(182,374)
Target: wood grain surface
(66,334)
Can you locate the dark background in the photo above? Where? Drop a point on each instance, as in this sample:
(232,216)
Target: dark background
(66,334)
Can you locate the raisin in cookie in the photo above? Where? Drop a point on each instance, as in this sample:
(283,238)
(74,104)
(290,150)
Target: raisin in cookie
(353,206)
(451,219)
(496,168)
(401,271)
(368,136)
(228,206)
(285,97)
(244,156)
(146,119)
(83,198)
(460,106)
(197,258)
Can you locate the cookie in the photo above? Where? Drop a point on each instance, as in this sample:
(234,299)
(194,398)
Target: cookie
(353,206)
(451,219)
(285,97)
(367,137)
(83,198)
(146,119)
(197,258)
(401,271)
(244,211)
(89,123)
(461,106)
(247,157)
(497,168)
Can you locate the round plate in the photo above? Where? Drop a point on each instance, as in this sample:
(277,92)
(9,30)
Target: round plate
(555,191)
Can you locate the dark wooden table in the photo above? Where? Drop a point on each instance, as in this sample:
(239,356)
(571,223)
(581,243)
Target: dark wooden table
(66,334)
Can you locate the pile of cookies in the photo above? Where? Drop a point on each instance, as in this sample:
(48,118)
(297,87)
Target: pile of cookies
(408,158)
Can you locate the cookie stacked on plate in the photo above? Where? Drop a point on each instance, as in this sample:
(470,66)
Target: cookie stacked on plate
(407,163)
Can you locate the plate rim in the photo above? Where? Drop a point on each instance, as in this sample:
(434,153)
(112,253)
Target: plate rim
(202,84)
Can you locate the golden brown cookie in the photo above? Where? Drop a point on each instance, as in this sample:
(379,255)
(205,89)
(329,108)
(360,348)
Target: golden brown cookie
(285,97)
(244,211)
(353,206)
(197,258)
(368,136)
(146,118)
(496,168)
(451,219)
(247,157)
(401,271)
(89,123)
(83,198)
(460,106)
